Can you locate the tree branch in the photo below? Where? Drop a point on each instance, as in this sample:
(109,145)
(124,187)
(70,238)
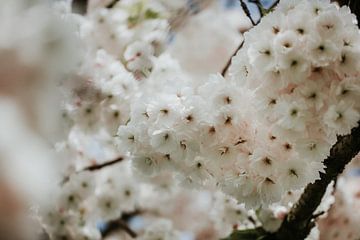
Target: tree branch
(226,68)
(275,3)
(259,7)
(103,165)
(247,11)
(121,224)
(94,168)
(117,225)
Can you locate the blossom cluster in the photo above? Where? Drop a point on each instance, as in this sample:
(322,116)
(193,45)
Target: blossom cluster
(38,46)
(304,77)
(293,88)
(96,102)
(85,199)
(135,32)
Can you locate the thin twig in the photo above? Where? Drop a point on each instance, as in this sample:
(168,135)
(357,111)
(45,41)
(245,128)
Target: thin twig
(226,68)
(94,168)
(247,11)
(121,224)
(117,225)
(103,165)
(275,3)
(259,7)
(316,215)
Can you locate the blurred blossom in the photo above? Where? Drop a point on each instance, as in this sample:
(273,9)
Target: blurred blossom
(37,47)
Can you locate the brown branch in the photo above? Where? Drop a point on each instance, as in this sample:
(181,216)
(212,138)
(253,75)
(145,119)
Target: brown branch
(247,11)
(118,224)
(226,68)
(121,224)
(248,14)
(94,168)
(103,165)
(259,7)
(275,3)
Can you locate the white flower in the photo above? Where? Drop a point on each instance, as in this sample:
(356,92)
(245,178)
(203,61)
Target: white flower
(262,55)
(313,94)
(263,163)
(323,51)
(313,149)
(138,56)
(348,63)
(329,24)
(347,90)
(269,189)
(145,164)
(294,67)
(198,171)
(294,174)
(341,118)
(268,220)
(127,136)
(83,183)
(164,140)
(317,7)
(108,204)
(285,42)
(293,115)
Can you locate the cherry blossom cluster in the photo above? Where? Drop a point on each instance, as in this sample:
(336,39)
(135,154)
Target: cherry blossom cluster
(135,32)
(303,73)
(293,88)
(38,46)
(87,198)
(97,102)
(308,93)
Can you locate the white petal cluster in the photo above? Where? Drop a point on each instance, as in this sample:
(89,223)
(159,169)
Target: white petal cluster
(87,199)
(293,88)
(302,63)
(135,32)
